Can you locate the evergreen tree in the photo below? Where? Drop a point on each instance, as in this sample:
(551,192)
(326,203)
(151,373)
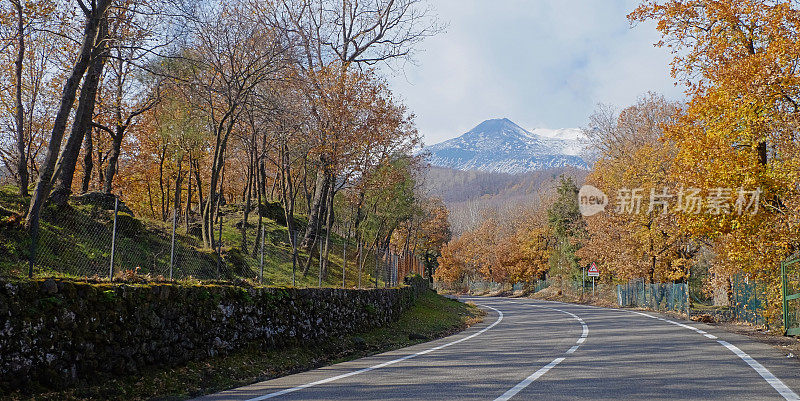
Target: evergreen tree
(567,226)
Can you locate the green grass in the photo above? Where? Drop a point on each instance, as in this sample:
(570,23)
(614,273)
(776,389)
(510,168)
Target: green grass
(75,242)
(432,316)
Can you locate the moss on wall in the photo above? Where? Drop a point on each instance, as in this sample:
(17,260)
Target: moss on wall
(55,332)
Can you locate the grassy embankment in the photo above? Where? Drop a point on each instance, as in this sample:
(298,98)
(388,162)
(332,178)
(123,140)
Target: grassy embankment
(433,316)
(75,243)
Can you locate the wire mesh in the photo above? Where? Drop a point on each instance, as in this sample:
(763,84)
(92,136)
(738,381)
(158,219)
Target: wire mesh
(748,300)
(88,239)
(658,296)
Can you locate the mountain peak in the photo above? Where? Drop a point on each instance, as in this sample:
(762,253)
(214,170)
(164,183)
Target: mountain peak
(495,123)
(498,125)
(501,145)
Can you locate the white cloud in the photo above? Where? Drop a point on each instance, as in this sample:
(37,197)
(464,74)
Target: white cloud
(543,63)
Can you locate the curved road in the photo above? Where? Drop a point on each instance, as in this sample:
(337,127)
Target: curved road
(528,349)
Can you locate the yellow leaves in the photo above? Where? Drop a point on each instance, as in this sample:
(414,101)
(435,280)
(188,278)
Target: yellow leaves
(498,252)
(679,269)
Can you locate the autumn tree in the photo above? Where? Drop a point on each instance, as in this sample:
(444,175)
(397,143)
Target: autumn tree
(338,36)
(738,62)
(638,235)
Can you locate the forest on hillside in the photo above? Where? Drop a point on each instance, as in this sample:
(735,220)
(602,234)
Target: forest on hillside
(472,195)
(192,113)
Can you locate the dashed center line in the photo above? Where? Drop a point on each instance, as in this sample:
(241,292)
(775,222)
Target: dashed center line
(544,369)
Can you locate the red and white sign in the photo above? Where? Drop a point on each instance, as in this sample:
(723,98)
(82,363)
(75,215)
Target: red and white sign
(593,271)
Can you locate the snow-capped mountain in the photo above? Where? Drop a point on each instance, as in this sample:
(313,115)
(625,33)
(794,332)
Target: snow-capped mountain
(502,146)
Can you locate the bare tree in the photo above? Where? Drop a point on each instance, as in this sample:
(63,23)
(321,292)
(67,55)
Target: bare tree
(22,161)
(350,33)
(232,56)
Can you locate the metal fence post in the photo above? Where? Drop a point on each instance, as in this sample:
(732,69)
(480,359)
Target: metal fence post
(113,240)
(344,259)
(172,243)
(219,241)
(785,302)
(395,272)
(294,256)
(261,262)
(320,261)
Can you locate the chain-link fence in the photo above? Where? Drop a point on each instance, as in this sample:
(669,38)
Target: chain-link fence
(659,296)
(476,287)
(748,300)
(99,237)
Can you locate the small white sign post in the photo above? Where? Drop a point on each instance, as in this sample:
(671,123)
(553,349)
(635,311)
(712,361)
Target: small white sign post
(593,272)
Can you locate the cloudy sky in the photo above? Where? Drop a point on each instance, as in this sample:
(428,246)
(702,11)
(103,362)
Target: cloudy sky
(540,63)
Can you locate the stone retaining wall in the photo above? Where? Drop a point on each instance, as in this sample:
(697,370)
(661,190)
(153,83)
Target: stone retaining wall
(55,332)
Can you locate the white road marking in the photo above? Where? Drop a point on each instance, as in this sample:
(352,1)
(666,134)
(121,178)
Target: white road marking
(381,365)
(771,379)
(539,373)
(521,385)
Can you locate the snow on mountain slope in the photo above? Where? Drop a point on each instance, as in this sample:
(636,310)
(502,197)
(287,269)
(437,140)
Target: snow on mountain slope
(503,146)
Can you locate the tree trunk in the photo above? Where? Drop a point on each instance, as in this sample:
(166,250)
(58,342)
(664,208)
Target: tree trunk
(219,216)
(188,209)
(344,255)
(248,191)
(161,159)
(81,124)
(88,161)
(111,168)
(287,197)
(176,203)
(43,184)
(223,131)
(101,176)
(316,212)
(22,156)
(258,168)
(274,184)
(199,183)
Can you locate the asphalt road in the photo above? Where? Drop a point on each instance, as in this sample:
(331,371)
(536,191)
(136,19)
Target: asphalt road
(527,349)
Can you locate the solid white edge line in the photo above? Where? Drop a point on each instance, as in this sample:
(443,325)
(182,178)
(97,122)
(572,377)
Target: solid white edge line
(773,381)
(521,385)
(380,365)
(776,383)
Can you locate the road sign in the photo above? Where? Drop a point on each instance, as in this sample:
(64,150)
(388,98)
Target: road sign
(593,272)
